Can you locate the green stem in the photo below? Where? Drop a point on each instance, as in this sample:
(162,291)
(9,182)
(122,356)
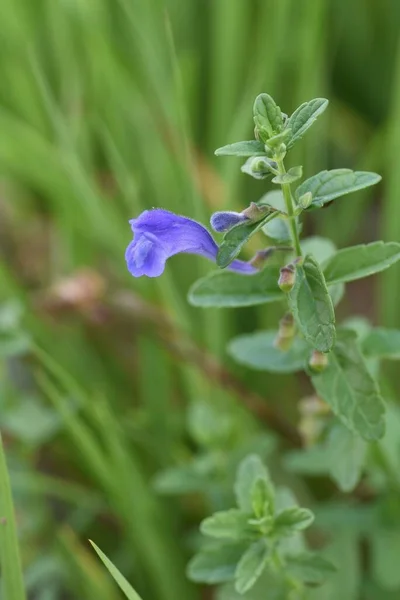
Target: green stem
(287,194)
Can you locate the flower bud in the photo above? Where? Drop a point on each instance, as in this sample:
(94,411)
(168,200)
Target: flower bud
(287,278)
(256,212)
(313,406)
(281,138)
(286,333)
(222,221)
(261,134)
(305,200)
(314,417)
(259,167)
(261,257)
(318,361)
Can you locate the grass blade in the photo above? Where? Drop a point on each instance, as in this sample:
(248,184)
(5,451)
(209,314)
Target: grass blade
(117,576)
(12,579)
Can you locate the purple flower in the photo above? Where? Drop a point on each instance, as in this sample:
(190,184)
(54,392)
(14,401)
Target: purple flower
(159,234)
(224,220)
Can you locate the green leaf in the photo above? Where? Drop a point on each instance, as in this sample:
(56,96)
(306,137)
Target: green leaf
(273,198)
(303,117)
(382,343)
(347,386)
(249,471)
(257,167)
(309,461)
(117,576)
(250,148)
(210,424)
(385,552)
(230,290)
(310,568)
(388,451)
(238,236)
(336,293)
(320,247)
(312,306)
(278,228)
(31,422)
(13,343)
(276,140)
(328,185)
(257,351)
(270,580)
(260,495)
(360,261)
(267,115)
(347,454)
(344,552)
(294,174)
(181,480)
(230,524)
(215,564)
(342,456)
(293,519)
(251,566)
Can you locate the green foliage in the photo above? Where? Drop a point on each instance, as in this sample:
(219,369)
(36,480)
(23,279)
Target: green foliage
(294,174)
(215,564)
(349,389)
(312,306)
(328,185)
(115,108)
(12,584)
(231,290)
(251,565)
(341,455)
(293,519)
(310,568)
(251,470)
(238,236)
(361,261)
(258,351)
(229,524)
(382,343)
(250,148)
(262,522)
(267,117)
(117,576)
(346,454)
(304,117)
(385,547)
(277,229)
(13,340)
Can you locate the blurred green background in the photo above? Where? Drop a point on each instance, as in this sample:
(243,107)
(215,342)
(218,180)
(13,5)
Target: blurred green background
(108,107)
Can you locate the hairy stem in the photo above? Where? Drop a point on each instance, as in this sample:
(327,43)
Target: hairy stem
(287,194)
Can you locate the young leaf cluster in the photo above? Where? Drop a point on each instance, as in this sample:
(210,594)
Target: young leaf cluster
(261,535)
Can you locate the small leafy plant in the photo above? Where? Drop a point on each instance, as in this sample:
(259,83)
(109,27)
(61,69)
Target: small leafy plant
(258,545)
(261,536)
